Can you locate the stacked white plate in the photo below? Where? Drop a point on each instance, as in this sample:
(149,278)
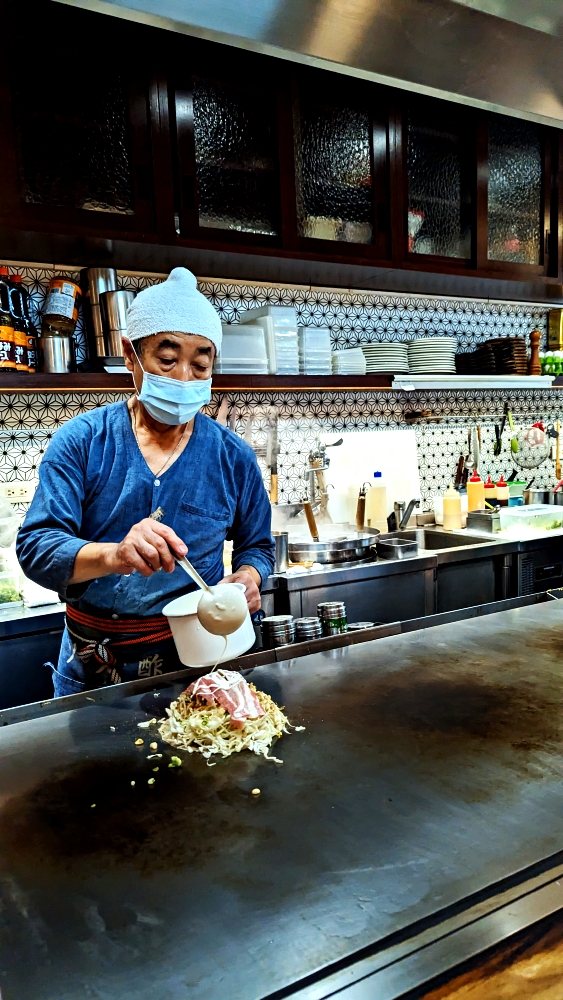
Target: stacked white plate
(349,362)
(432,355)
(386,356)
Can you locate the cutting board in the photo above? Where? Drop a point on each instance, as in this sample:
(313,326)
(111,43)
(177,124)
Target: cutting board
(391,452)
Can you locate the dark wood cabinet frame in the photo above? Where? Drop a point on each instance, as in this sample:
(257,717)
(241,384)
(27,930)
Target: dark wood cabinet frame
(131,46)
(160,67)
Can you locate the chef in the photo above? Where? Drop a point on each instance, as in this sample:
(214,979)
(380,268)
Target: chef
(88,533)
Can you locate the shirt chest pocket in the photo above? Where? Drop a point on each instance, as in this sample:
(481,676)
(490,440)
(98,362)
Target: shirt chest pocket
(203,529)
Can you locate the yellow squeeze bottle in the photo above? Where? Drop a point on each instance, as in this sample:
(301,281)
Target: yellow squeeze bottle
(475,492)
(452,509)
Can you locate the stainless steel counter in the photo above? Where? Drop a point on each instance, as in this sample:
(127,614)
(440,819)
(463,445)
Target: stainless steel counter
(429,777)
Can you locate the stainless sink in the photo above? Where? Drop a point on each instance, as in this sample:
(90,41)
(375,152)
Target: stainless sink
(433,539)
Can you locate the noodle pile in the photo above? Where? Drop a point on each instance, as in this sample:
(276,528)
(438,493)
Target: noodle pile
(195,725)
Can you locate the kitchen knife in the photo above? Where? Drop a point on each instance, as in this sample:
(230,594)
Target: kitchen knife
(272,452)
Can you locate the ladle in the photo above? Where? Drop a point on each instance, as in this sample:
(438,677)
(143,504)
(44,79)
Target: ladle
(221,609)
(191,571)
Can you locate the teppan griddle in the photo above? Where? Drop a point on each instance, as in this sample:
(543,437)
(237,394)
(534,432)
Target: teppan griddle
(417,820)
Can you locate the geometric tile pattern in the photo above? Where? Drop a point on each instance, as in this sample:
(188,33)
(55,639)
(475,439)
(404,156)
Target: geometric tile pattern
(353,317)
(27,422)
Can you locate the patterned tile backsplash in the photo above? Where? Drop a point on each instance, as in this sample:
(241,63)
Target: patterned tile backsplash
(28,421)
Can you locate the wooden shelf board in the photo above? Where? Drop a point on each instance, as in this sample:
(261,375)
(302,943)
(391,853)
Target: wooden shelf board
(102,382)
(11,382)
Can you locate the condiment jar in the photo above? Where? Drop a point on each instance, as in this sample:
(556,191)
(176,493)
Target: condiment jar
(60,312)
(452,509)
(503,492)
(475,492)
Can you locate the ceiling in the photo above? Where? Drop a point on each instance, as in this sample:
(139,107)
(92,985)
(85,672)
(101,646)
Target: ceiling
(504,55)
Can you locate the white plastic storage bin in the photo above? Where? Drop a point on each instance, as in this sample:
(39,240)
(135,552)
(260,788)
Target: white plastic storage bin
(243,351)
(280,323)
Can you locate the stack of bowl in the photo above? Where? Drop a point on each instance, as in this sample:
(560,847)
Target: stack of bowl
(308,628)
(277,630)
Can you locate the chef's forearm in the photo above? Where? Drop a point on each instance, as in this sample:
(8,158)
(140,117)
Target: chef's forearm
(252,572)
(94,559)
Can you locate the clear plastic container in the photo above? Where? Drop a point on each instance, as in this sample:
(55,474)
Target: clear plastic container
(280,324)
(10,589)
(243,350)
(524,521)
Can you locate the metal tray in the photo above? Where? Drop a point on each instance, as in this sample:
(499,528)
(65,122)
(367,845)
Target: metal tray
(396,548)
(344,548)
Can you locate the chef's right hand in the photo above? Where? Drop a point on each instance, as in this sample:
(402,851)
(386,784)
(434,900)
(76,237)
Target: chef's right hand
(146,548)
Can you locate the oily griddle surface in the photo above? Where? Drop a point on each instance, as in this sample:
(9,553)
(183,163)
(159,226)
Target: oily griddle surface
(430,767)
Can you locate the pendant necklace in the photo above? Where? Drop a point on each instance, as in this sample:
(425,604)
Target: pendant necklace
(171,455)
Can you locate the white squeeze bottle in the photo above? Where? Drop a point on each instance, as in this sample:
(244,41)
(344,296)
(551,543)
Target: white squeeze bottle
(376,504)
(452,509)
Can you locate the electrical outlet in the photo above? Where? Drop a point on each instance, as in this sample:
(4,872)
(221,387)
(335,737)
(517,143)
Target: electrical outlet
(18,491)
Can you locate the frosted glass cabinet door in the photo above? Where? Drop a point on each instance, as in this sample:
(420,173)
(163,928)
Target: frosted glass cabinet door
(515,191)
(80,149)
(333,161)
(235,154)
(74,139)
(438,202)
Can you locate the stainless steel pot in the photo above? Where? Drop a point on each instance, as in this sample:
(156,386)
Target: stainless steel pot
(344,548)
(556,498)
(536,496)
(94,281)
(56,354)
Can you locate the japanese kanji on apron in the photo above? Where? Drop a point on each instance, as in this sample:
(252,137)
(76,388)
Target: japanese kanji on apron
(105,645)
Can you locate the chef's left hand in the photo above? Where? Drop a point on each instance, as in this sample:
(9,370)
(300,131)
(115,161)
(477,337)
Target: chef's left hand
(251,579)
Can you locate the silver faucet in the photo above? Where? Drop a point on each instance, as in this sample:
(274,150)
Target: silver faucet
(402,516)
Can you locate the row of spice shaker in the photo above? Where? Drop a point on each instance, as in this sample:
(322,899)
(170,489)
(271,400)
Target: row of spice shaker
(282,630)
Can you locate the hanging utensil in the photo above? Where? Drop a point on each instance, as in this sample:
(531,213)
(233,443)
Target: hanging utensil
(459,470)
(475,451)
(233,419)
(312,524)
(361,507)
(272,452)
(558,451)
(223,411)
(498,441)
(513,439)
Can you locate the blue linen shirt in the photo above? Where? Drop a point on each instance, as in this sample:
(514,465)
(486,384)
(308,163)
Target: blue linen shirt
(94,485)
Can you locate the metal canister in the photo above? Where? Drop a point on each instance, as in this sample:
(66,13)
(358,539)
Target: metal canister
(308,628)
(281,541)
(277,630)
(333,617)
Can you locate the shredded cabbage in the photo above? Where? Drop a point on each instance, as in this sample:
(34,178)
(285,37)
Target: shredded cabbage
(193,725)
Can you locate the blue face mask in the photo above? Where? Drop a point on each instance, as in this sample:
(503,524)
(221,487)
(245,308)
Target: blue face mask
(171,401)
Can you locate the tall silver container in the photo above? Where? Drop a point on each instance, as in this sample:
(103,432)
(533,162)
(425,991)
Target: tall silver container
(113,310)
(55,354)
(94,282)
(281,540)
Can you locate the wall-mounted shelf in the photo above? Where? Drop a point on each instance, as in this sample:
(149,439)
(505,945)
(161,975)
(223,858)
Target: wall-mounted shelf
(102,382)
(448,382)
